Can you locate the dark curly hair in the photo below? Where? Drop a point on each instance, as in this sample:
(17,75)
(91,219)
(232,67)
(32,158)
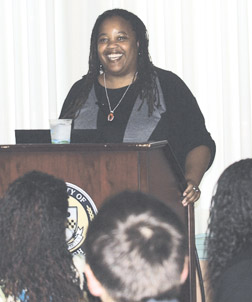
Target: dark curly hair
(230,220)
(33,251)
(145,83)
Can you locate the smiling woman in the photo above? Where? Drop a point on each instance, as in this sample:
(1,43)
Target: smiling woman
(117,50)
(125,98)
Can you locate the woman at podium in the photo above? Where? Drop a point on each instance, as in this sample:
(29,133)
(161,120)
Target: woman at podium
(125,98)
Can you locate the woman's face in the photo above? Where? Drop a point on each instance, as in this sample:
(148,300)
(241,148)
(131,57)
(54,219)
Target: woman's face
(117,47)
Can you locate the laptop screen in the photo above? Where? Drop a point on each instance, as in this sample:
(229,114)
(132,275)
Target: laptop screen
(43,136)
(33,136)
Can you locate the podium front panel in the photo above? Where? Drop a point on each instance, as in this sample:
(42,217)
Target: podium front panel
(102,170)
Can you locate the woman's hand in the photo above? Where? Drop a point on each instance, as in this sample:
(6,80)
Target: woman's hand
(197,161)
(191,193)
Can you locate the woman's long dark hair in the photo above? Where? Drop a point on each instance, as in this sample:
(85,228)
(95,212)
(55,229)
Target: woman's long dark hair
(230,221)
(33,252)
(146,83)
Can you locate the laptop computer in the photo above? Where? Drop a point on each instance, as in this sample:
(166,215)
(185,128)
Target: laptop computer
(43,136)
(33,136)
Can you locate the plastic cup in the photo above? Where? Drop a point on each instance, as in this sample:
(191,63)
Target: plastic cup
(60,131)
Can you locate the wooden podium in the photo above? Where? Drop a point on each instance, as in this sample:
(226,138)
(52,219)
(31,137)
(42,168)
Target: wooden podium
(105,169)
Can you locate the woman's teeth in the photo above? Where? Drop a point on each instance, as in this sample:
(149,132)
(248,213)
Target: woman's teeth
(114,57)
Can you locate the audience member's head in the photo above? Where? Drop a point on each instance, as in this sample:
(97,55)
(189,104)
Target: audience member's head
(136,250)
(33,250)
(230,222)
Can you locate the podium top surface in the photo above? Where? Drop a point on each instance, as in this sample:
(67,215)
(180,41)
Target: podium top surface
(83,147)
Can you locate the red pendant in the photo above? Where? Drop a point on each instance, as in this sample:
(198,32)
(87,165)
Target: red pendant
(111,116)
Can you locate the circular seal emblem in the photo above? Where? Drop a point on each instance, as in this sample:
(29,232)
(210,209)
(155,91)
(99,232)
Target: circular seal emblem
(81,211)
